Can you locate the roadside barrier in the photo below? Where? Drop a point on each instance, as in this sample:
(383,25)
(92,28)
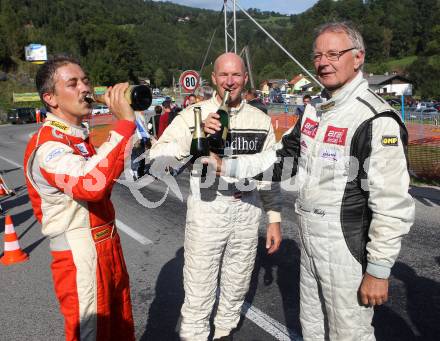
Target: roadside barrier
(423,148)
(13,253)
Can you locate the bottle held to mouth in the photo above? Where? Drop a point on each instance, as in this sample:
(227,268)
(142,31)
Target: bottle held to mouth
(217,141)
(138,96)
(199,143)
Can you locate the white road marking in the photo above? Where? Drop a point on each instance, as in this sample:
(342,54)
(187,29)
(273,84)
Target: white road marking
(120,225)
(268,324)
(11,162)
(132,233)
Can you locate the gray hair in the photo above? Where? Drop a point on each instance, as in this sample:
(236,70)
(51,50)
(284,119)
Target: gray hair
(342,27)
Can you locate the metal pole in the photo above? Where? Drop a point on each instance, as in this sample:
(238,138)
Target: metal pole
(402,109)
(226,27)
(248,62)
(235,29)
(280,46)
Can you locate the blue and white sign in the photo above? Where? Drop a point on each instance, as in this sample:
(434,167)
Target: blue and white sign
(35,53)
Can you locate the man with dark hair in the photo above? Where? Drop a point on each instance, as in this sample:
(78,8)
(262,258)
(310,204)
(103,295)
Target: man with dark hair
(69,184)
(192,99)
(252,98)
(353,204)
(307,99)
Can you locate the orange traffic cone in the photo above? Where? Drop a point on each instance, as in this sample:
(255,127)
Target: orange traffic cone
(13,253)
(3,191)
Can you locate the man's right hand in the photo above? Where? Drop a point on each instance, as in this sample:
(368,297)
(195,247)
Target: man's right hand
(212,123)
(117,103)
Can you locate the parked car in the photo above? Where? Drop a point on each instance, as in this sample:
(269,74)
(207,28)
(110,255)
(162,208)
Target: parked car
(423,113)
(21,115)
(100,109)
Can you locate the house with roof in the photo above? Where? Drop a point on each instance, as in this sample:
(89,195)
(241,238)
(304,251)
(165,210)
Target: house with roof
(298,83)
(268,85)
(394,84)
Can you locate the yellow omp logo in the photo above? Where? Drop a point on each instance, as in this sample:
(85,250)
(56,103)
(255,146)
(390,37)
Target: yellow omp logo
(58,125)
(390,141)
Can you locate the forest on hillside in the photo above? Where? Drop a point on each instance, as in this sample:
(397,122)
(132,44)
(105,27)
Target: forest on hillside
(119,40)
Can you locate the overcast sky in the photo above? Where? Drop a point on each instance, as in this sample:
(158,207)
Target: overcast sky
(281,6)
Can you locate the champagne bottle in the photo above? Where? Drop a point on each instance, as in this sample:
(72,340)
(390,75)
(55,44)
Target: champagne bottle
(217,141)
(138,96)
(199,143)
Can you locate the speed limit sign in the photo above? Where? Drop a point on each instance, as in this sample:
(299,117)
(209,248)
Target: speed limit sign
(189,80)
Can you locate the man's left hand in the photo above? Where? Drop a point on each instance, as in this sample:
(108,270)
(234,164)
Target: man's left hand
(273,237)
(373,291)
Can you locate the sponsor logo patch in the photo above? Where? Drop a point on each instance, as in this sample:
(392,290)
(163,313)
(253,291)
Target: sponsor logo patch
(390,140)
(310,128)
(303,146)
(53,154)
(59,125)
(327,106)
(329,154)
(101,234)
(335,135)
(82,149)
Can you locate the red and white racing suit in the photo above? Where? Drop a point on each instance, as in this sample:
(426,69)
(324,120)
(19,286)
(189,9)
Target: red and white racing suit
(69,185)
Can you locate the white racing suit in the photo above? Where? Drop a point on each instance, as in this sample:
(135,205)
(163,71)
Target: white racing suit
(353,204)
(221,233)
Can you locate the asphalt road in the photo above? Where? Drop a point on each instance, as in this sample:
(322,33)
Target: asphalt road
(152,240)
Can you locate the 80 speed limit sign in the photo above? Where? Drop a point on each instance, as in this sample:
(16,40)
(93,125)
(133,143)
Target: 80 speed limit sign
(189,80)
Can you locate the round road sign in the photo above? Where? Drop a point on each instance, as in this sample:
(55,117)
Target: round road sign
(189,80)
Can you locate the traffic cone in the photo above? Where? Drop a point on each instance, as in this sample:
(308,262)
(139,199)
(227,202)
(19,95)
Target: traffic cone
(13,253)
(2,190)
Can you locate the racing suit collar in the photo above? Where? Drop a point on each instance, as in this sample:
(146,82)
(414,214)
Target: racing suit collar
(65,127)
(232,111)
(341,96)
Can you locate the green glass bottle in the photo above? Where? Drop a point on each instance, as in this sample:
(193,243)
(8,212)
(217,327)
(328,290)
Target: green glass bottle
(217,141)
(199,143)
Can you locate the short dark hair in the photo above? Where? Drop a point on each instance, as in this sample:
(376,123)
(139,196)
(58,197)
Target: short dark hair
(157,109)
(307,97)
(192,95)
(253,92)
(44,80)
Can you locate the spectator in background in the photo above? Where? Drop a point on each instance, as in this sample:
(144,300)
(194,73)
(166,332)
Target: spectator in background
(252,98)
(173,113)
(206,92)
(164,118)
(142,144)
(38,115)
(307,100)
(155,119)
(192,99)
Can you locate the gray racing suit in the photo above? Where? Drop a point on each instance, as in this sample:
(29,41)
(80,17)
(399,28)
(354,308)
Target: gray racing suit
(222,221)
(353,204)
